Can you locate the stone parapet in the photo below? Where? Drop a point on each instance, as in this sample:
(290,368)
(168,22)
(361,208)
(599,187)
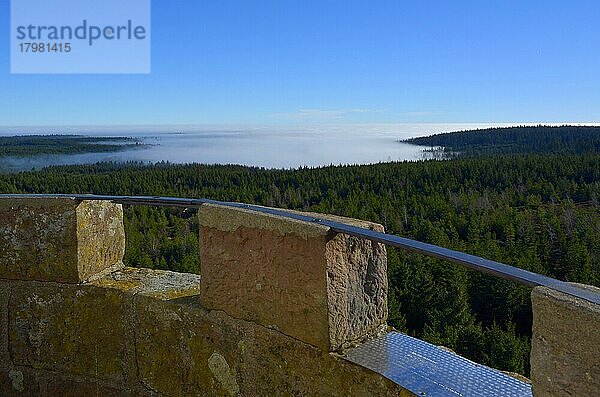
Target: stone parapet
(565,347)
(146,332)
(296,277)
(59,239)
(278,303)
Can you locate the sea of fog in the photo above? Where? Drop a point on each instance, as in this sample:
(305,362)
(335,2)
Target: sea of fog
(270,147)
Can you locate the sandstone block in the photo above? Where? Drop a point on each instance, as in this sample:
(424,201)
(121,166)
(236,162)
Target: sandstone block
(297,277)
(171,352)
(159,284)
(71,329)
(565,346)
(59,239)
(210,353)
(161,367)
(174,346)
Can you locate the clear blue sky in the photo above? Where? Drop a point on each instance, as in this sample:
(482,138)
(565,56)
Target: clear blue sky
(303,61)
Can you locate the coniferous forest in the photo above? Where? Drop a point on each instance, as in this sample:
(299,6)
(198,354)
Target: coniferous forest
(539,139)
(33,145)
(536,211)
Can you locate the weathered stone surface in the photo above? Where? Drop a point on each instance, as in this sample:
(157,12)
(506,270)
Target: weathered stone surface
(24,381)
(144,332)
(153,286)
(275,364)
(173,349)
(100,237)
(59,386)
(4,354)
(210,353)
(73,329)
(565,346)
(19,382)
(262,269)
(59,239)
(297,277)
(159,284)
(357,288)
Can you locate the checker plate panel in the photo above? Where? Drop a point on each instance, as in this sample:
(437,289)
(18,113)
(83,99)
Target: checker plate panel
(428,370)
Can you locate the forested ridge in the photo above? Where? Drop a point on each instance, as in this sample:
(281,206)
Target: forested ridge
(537,212)
(32,145)
(524,139)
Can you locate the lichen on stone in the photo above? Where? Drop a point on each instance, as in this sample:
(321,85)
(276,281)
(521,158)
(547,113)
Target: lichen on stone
(226,377)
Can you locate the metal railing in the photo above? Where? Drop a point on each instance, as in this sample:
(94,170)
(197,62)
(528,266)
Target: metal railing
(477,263)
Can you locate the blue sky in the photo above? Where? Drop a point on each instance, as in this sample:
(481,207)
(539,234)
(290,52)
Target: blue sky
(318,61)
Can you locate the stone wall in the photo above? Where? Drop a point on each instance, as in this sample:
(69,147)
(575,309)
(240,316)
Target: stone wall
(265,320)
(145,332)
(277,303)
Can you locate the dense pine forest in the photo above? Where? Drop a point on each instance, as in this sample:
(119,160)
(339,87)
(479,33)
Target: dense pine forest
(33,145)
(540,139)
(537,212)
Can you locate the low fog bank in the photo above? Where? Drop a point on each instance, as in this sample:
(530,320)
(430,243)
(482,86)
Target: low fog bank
(268,147)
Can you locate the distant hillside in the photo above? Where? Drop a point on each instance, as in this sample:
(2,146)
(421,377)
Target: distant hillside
(31,145)
(539,139)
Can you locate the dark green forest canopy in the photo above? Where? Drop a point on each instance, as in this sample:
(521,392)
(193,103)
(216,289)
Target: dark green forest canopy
(31,145)
(539,139)
(537,212)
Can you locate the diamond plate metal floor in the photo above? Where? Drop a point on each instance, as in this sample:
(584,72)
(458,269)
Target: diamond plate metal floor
(428,370)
